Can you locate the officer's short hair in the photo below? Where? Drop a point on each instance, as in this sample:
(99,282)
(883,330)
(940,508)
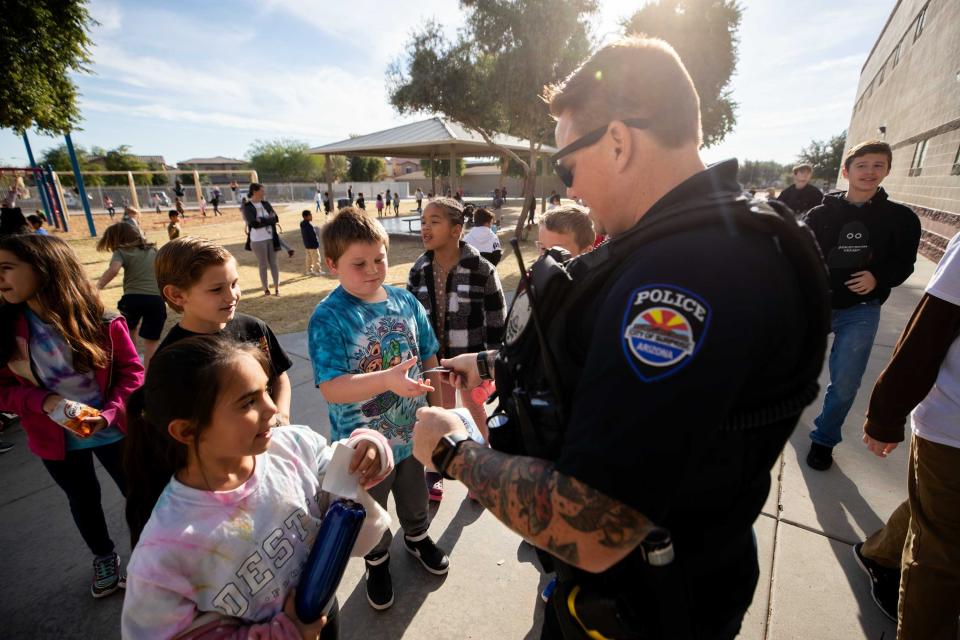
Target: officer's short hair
(351,225)
(802,167)
(635,77)
(870,146)
(571,218)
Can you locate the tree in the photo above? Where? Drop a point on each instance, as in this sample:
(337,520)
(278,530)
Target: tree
(441,168)
(825,156)
(363,169)
(704,35)
(41,42)
(488,78)
(120,159)
(59,159)
(762,173)
(285,159)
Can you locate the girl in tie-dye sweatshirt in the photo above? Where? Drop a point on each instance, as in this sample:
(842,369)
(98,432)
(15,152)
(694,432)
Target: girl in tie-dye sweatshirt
(223,506)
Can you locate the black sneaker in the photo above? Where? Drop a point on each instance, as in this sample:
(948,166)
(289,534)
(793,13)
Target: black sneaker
(820,457)
(5,446)
(107,575)
(379,584)
(430,555)
(884,582)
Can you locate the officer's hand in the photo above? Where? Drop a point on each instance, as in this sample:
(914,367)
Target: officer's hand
(862,283)
(465,373)
(432,424)
(879,449)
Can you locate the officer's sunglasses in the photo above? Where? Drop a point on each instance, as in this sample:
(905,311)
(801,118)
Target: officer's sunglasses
(565,174)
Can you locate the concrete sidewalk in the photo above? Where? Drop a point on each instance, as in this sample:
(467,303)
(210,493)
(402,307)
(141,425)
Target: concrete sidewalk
(810,586)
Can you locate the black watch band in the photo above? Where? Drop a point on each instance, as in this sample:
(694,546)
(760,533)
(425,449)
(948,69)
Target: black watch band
(445,451)
(483,366)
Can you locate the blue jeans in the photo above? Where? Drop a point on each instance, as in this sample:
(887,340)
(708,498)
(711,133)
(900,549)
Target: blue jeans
(854,330)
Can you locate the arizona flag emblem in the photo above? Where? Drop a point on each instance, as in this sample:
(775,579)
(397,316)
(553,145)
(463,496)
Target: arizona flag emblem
(663,328)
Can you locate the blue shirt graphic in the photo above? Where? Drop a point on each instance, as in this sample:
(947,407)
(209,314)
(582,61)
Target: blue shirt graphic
(347,336)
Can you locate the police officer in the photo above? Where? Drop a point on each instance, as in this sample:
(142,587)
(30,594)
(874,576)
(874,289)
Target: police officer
(679,372)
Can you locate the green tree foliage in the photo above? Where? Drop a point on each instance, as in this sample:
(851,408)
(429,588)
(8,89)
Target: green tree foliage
(763,173)
(704,34)
(41,42)
(59,159)
(441,168)
(363,169)
(120,159)
(285,159)
(489,77)
(826,157)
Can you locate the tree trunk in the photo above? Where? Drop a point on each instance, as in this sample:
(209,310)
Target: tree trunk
(529,198)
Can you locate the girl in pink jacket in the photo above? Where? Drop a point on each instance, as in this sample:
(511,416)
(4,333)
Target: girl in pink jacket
(66,369)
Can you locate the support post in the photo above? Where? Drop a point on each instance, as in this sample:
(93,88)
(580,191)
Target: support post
(38,178)
(433,171)
(80,188)
(254,177)
(328,174)
(196,186)
(134,198)
(58,192)
(453,171)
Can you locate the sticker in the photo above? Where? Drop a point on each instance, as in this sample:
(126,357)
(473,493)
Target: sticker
(663,329)
(518,319)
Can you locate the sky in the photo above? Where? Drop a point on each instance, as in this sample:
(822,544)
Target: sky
(184,79)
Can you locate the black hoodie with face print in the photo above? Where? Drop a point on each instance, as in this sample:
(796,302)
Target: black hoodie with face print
(880,236)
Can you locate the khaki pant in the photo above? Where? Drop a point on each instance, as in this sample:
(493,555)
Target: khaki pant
(923,537)
(311,261)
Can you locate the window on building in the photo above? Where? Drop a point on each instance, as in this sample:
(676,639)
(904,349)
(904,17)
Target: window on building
(880,75)
(896,54)
(919,154)
(955,171)
(920,22)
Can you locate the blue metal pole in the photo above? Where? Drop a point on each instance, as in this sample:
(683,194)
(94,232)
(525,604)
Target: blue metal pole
(38,177)
(80,187)
(56,198)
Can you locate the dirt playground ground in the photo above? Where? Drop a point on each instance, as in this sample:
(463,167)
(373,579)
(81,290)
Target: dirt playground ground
(299,294)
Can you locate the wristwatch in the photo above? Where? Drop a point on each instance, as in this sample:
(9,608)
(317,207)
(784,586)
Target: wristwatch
(445,450)
(483,366)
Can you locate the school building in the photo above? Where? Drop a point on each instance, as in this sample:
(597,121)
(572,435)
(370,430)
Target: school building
(909,96)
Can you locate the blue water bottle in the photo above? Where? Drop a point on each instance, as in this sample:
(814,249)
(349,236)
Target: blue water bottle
(328,559)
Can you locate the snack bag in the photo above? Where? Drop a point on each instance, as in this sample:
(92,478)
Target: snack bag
(70,414)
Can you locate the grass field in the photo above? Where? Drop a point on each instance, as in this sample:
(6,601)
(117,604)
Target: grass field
(299,294)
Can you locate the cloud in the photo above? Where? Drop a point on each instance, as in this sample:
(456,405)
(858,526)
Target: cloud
(106,13)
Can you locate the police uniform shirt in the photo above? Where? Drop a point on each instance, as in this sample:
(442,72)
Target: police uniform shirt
(692,324)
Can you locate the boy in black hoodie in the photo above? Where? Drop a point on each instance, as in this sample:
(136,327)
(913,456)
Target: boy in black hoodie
(870,245)
(801,196)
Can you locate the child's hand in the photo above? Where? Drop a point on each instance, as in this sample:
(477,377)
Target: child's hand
(400,384)
(98,423)
(307,631)
(366,461)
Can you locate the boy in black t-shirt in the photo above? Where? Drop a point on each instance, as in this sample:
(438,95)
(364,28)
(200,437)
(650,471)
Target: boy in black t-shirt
(206,291)
(801,196)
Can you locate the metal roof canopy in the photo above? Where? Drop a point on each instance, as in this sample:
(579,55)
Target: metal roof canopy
(435,137)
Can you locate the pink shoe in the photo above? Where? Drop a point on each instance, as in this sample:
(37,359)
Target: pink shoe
(435,486)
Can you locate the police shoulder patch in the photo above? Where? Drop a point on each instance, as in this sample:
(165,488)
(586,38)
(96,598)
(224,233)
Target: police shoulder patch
(663,328)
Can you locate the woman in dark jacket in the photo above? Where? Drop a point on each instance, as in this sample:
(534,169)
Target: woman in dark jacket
(263,237)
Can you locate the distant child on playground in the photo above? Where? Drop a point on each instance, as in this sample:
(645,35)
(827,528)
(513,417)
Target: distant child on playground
(141,303)
(311,244)
(223,516)
(66,368)
(155,198)
(482,238)
(369,344)
(463,297)
(36,222)
(108,205)
(199,279)
(379,205)
(173,229)
(396,203)
(361,202)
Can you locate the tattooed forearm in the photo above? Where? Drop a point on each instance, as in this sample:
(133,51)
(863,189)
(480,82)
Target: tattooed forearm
(558,513)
